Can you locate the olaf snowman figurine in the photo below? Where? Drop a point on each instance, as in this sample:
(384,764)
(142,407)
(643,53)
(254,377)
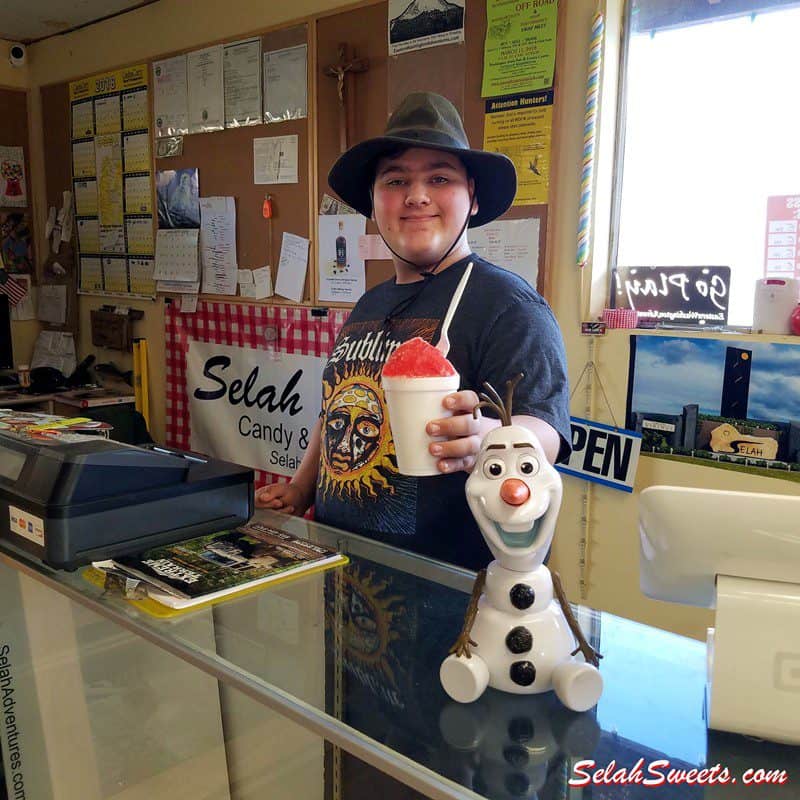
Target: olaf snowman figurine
(519,633)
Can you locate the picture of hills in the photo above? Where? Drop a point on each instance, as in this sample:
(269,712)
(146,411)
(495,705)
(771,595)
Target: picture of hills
(422,18)
(673,371)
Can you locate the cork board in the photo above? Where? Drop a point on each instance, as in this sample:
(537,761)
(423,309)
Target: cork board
(225,158)
(453,70)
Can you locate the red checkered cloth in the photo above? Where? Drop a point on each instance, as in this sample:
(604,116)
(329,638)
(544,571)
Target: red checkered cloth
(620,317)
(238,325)
(15,290)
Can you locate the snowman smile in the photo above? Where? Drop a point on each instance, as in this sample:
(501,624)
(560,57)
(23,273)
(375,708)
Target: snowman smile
(517,535)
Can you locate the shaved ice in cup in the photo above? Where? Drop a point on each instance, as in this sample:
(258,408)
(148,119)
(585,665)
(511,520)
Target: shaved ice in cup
(416,378)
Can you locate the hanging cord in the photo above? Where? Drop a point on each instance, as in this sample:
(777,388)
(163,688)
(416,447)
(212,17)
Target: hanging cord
(587,498)
(591,368)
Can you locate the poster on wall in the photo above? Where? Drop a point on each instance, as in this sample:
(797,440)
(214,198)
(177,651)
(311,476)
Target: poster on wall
(520,48)
(112,181)
(341,268)
(722,403)
(13,192)
(16,241)
(249,409)
(178,193)
(416,24)
(514,243)
(520,127)
(782,247)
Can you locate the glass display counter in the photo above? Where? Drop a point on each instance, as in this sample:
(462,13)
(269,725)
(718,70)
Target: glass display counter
(327,687)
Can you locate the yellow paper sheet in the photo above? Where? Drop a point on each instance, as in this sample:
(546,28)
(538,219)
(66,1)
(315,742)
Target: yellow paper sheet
(522,131)
(82,120)
(140,236)
(83,161)
(141,272)
(89,235)
(86,197)
(520,48)
(135,113)
(136,149)
(115,274)
(108,155)
(138,195)
(107,114)
(91,275)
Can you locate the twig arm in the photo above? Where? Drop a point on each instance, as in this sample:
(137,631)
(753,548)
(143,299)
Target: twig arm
(589,653)
(461,646)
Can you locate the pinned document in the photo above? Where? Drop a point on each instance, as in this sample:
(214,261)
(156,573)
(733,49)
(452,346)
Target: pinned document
(218,244)
(292,267)
(176,255)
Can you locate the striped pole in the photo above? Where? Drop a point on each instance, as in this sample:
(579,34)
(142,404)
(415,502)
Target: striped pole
(589,131)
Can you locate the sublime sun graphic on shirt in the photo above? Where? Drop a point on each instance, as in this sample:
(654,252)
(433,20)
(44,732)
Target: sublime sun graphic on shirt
(358,462)
(357,449)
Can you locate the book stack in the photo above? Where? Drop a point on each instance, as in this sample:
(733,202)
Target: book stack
(208,568)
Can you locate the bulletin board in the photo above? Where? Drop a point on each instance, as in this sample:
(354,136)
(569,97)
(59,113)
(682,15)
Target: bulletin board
(453,70)
(224,158)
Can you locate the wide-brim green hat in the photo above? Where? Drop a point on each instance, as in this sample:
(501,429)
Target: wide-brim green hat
(425,119)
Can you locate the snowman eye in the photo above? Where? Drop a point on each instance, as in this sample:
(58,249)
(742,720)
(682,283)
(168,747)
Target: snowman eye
(528,465)
(494,468)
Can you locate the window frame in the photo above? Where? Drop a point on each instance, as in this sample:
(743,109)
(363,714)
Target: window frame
(618,161)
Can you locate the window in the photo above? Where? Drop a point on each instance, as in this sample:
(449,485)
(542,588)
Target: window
(710,126)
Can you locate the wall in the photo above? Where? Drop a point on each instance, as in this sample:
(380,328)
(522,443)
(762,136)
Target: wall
(12,77)
(23,333)
(611,574)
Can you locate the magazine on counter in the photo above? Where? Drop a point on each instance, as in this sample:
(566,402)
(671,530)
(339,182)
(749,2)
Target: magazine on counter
(199,570)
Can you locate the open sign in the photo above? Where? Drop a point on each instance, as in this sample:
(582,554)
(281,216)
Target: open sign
(603,454)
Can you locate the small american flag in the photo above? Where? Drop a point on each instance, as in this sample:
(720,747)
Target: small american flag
(15,290)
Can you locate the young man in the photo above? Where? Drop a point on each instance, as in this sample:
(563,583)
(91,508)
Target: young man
(423,187)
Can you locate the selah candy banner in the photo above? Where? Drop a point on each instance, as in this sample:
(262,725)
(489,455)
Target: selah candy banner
(244,382)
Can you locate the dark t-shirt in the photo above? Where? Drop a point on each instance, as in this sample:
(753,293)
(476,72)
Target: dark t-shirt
(502,327)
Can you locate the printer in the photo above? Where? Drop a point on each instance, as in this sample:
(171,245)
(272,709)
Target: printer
(75,499)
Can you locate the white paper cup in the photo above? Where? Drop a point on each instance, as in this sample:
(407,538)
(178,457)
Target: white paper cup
(412,404)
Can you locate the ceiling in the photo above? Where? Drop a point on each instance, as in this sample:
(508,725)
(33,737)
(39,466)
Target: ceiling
(31,20)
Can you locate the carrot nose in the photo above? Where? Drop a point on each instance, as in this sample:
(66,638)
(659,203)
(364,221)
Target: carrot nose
(514,491)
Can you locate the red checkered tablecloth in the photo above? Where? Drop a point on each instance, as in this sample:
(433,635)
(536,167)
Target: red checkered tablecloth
(288,330)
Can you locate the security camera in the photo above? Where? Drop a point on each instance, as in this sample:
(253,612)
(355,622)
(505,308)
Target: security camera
(17,54)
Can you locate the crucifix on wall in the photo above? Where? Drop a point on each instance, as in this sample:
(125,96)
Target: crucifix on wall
(339,71)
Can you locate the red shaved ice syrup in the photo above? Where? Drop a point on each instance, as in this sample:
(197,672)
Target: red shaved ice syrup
(417,359)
